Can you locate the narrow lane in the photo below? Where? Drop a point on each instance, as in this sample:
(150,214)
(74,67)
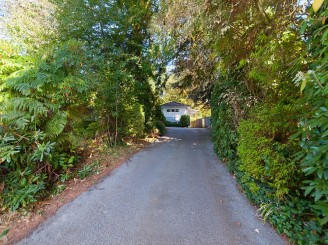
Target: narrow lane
(175,192)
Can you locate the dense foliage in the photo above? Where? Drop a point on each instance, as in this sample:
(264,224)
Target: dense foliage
(314,127)
(262,65)
(75,70)
(39,118)
(70,72)
(184,122)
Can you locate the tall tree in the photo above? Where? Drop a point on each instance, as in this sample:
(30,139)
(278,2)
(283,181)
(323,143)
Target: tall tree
(31,24)
(117,32)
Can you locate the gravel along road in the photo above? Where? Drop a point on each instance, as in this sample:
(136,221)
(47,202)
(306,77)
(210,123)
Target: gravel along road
(175,192)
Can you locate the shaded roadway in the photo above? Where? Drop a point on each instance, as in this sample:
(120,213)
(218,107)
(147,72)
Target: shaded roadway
(175,192)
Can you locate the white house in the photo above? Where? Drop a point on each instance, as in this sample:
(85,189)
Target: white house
(174,110)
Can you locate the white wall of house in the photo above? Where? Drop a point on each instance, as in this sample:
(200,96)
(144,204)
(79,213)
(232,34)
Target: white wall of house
(174,113)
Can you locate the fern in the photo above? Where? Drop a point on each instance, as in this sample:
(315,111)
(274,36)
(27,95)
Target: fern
(56,124)
(36,105)
(31,105)
(8,66)
(22,122)
(20,119)
(23,88)
(42,78)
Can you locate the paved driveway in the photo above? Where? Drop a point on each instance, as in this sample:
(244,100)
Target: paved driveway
(175,192)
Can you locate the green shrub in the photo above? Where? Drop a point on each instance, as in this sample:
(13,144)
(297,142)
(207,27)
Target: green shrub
(37,122)
(161,127)
(133,121)
(313,130)
(21,187)
(172,124)
(87,170)
(265,150)
(224,132)
(184,121)
(266,167)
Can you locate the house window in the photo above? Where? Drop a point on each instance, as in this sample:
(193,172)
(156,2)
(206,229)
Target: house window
(172,110)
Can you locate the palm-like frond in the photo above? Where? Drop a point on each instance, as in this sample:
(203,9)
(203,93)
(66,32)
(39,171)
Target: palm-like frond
(33,106)
(56,124)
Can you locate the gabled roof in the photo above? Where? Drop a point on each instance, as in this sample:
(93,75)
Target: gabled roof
(175,104)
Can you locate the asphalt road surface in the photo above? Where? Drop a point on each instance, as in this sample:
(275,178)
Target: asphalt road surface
(176,192)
